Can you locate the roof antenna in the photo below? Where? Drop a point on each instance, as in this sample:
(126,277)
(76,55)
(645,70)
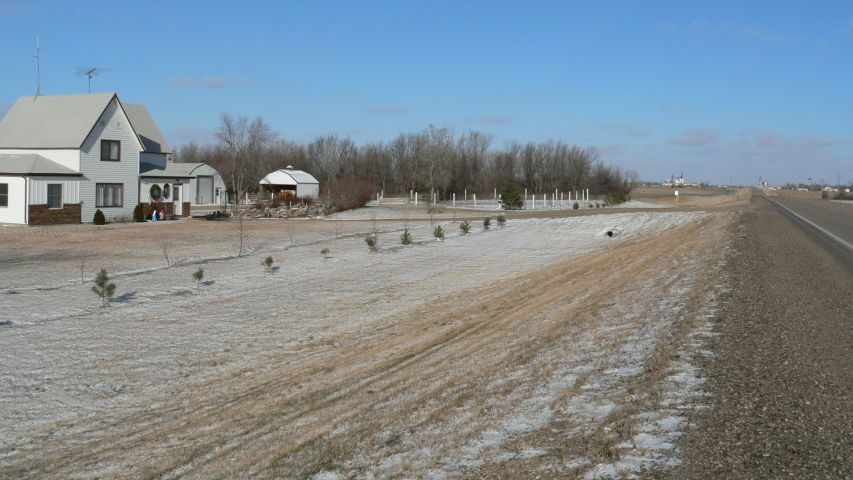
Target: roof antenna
(91,72)
(37,56)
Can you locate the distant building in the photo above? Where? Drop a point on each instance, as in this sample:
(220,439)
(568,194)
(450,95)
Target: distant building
(287,182)
(676,182)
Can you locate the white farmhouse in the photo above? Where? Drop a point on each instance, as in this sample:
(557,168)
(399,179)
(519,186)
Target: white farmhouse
(89,135)
(287,181)
(63,157)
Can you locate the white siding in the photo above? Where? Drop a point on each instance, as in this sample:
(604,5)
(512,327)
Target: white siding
(206,171)
(310,190)
(113,125)
(16,212)
(69,158)
(145,188)
(38,189)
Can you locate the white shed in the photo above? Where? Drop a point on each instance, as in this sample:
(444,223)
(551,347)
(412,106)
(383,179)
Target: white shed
(302,184)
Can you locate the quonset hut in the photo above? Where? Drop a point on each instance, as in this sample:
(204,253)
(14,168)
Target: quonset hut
(287,182)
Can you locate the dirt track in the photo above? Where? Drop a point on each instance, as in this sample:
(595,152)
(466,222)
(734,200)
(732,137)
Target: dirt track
(556,370)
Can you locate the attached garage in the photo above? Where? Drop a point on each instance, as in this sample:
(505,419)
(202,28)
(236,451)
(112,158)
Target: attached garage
(197,186)
(290,182)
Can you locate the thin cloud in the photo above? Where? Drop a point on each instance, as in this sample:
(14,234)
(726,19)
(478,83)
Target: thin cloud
(195,135)
(699,137)
(207,81)
(692,27)
(497,119)
(625,129)
(182,81)
(746,31)
(386,109)
(8,8)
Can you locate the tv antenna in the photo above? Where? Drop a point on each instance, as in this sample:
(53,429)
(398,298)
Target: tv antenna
(37,56)
(91,72)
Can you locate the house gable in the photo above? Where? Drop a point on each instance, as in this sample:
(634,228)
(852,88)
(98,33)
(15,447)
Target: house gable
(113,124)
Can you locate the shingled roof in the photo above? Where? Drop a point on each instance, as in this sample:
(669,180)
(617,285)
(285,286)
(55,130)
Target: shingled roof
(55,121)
(30,164)
(150,136)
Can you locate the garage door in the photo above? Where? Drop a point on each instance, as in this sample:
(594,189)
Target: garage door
(204,191)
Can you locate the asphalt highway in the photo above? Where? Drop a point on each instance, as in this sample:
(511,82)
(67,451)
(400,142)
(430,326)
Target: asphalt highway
(834,217)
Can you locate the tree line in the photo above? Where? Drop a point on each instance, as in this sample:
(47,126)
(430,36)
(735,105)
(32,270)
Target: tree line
(432,160)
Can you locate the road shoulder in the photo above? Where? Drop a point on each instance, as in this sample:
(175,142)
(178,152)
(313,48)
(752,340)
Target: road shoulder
(779,378)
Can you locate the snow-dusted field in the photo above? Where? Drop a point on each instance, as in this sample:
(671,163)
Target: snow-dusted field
(126,391)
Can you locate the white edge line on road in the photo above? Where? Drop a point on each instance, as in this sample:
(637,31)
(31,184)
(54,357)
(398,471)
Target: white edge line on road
(813,225)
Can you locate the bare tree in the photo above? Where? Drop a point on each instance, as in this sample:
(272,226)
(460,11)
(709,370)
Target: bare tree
(243,141)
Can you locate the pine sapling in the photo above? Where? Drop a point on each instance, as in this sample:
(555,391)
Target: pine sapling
(406,237)
(465,227)
(198,276)
(502,220)
(267,263)
(370,240)
(325,252)
(575,206)
(438,233)
(103,288)
(487,222)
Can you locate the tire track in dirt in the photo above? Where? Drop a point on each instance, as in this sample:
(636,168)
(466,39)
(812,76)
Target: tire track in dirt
(300,412)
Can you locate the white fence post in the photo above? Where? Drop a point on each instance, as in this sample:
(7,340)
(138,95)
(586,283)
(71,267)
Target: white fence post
(466,194)
(475,200)
(416,199)
(454,200)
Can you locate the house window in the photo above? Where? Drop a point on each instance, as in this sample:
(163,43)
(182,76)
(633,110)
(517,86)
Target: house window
(54,195)
(110,150)
(4,194)
(109,195)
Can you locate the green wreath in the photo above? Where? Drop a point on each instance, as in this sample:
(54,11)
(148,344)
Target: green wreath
(155,191)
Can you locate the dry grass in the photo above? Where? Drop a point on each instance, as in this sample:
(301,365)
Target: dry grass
(356,397)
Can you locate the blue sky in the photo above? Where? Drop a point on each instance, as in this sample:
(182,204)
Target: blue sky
(722,91)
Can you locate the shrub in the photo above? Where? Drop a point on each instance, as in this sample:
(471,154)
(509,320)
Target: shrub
(465,227)
(576,206)
(487,222)
(198,276)
(438,233)
(103,288)
(615,198)
(406,237)
(349,193)
(99,218)
(370,240)
(267,263)
(325,252)
(502,220)
(138,216)
(511,198)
